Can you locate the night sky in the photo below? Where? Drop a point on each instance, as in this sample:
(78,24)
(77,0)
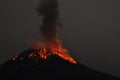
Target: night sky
(91,30)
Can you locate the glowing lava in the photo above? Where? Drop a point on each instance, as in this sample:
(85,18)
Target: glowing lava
(45,54)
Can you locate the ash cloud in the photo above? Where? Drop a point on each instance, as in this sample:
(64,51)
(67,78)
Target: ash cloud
(49,10)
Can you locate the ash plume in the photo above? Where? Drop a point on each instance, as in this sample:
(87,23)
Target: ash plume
(49,10)
(48,29)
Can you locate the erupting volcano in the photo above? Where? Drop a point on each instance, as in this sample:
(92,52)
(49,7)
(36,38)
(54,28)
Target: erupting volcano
(48,59)
(51,45)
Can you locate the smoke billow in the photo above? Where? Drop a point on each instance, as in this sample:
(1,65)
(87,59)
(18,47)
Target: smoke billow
(49,9)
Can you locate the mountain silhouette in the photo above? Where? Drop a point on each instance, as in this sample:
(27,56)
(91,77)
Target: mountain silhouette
(23,67)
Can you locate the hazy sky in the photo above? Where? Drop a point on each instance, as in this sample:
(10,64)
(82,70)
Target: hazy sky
(91,30)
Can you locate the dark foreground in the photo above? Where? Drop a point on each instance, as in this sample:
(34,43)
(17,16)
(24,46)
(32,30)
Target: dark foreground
(53,68)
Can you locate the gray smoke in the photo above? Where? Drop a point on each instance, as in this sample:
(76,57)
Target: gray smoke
(49,10)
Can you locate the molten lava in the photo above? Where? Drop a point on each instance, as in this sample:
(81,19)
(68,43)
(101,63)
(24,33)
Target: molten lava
(49,48)
(45,50)
(45,54)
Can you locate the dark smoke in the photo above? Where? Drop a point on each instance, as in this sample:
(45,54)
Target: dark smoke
(49,10)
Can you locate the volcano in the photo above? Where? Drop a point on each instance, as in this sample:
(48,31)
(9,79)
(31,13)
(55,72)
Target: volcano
(25,67)
(49,60)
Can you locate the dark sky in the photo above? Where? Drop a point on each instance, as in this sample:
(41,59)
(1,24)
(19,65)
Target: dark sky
(91,30)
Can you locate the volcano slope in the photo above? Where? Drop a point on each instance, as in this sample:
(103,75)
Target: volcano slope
(24,67)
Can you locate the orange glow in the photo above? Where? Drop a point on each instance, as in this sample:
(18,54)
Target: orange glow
(32,54)
(45,53)
(14,58)
(54,47)
(65,56)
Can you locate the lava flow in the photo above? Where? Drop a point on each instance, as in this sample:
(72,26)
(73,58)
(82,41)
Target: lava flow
(52,44)
(46,53)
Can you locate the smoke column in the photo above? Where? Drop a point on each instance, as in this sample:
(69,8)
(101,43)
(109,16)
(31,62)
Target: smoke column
(48,29)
